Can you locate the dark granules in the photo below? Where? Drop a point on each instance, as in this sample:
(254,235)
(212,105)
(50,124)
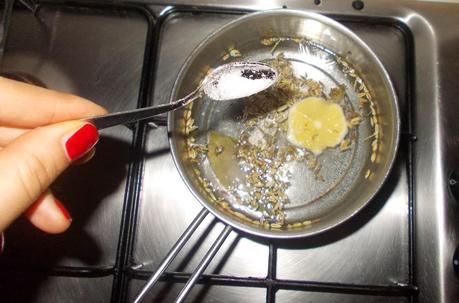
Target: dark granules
(257,74)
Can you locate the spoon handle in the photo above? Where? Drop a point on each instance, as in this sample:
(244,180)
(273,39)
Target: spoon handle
(135,115)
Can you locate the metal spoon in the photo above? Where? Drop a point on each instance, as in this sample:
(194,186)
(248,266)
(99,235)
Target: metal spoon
(227,82)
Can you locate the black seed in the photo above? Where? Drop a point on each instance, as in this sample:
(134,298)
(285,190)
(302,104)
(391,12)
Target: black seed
(257,74)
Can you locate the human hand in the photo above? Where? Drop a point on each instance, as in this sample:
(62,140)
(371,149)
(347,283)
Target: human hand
(39,138)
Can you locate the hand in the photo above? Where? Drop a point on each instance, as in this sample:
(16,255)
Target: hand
(39,138)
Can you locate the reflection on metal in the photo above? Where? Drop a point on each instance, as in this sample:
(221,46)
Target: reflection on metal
(30,5)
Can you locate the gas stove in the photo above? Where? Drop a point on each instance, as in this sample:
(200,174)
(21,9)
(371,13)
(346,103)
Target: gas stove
(130,206)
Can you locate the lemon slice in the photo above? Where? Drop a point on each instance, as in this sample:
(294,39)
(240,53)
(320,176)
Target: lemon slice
(316,124)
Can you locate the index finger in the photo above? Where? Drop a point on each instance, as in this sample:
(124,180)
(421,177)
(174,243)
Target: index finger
(27,106)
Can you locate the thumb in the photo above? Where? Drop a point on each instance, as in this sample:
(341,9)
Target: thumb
(33,161)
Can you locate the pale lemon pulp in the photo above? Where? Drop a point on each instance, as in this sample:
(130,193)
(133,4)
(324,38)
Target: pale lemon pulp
(316,124)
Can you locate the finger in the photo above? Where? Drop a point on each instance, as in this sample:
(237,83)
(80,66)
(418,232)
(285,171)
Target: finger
(48,214)
(26,106)
(8,134)
(32,162)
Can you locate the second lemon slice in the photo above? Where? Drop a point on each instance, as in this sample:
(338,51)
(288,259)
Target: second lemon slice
(316,124)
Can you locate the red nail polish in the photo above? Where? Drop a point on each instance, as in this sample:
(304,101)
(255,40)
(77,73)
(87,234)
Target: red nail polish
(63,210)
(81,141)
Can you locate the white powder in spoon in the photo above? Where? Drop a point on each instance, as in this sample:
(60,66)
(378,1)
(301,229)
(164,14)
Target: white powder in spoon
(239,82)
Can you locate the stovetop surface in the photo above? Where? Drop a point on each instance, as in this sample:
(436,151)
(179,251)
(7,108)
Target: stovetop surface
(380,233)
(130,205)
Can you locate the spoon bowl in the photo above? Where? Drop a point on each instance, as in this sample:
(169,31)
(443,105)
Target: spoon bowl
(238,80)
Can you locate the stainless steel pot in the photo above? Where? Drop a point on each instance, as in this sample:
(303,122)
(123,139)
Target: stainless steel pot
(328,52)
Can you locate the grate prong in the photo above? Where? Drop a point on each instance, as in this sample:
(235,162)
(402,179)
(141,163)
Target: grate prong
(172,254)
(203,265)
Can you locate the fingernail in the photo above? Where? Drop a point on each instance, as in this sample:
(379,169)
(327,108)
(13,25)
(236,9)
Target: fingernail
(81,141)
(63,210)
(2,242)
